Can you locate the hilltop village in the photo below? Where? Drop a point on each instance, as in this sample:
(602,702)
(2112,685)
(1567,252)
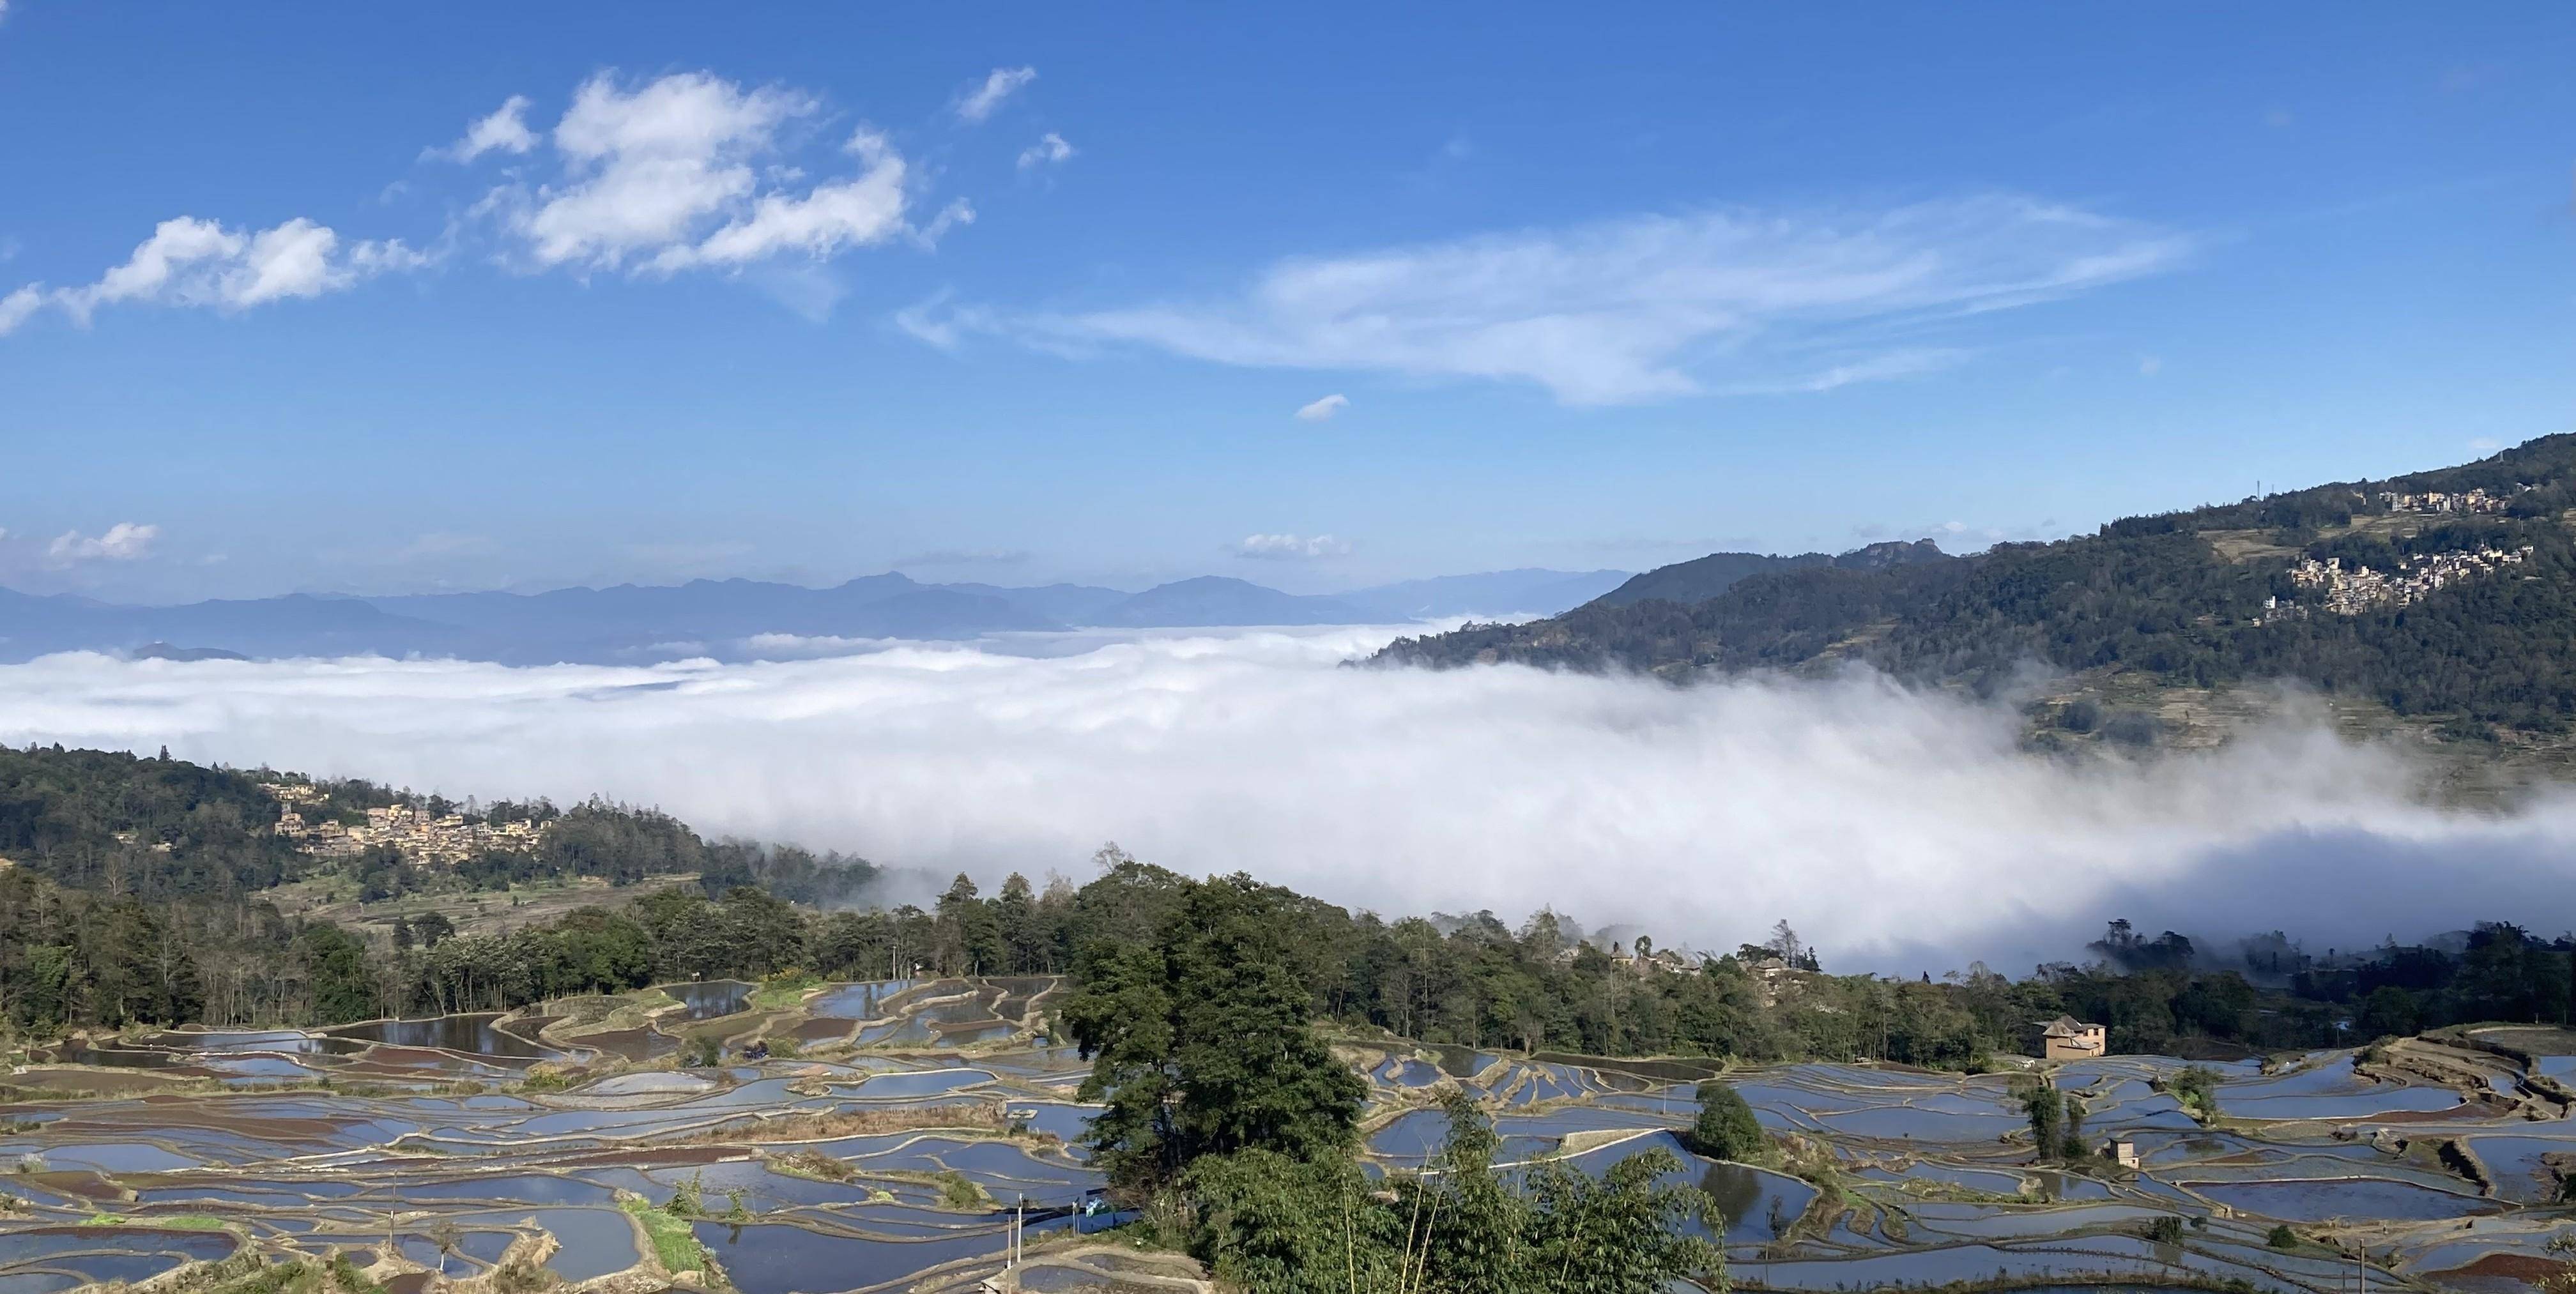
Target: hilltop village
(2471,502)
(2354,590)
(423,839)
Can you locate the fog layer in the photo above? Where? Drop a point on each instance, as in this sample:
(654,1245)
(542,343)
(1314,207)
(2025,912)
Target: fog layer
(1897,830)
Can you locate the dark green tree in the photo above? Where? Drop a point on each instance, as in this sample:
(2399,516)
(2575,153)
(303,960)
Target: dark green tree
(1201,1044)
(1015,915)
(335,964)
(2047,1111)
(1725,1127)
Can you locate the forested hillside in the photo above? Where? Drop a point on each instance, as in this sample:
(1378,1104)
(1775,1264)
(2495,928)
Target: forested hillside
(149,888)
(2454,608)
(98,930)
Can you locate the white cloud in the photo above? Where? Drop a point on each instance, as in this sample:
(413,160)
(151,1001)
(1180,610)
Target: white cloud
(192,262)
(2150,365)
(1290,547)
(2477,444)
(1049,150)
(648,169)
(1898,830)
(1651,307)
(18,306)
(505,131)
(867,208)
(977,102)
(123,542)
(1323,410)
(692,171)
(1911,361)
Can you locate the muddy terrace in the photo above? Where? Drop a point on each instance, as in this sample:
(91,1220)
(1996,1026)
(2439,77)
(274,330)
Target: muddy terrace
(891,1131)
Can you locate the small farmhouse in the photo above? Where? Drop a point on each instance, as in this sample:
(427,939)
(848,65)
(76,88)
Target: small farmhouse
(2066,1038)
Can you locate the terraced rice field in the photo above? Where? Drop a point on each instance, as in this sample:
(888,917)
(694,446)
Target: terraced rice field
(431,1160)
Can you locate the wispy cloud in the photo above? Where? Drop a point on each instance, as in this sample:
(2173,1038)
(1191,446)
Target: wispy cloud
(125,541)
(980,101)
(939,321)
(1048,151)
(1324,409)
(1290,548)
(505,131)
(1650,307)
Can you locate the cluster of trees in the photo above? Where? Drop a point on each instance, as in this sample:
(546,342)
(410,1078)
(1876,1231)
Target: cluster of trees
(159,828)
(2146,594)
(166,936)
(1226,1111)
(2056,1121)
(147,826)
(2499,971)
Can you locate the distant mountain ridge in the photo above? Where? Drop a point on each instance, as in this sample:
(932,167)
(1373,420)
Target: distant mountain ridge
(630,623)
(2445,598)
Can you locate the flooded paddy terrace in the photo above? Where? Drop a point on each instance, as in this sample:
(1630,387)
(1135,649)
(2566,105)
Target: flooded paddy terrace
(890,1129)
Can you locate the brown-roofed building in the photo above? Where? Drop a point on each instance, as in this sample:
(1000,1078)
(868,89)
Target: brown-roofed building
(2067,1038)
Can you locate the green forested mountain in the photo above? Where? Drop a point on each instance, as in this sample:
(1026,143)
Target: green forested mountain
(2417,595)
(1703,578)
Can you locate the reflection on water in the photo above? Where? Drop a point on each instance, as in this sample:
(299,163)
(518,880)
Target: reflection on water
(472,1034)
(1937,1178)
(710,999)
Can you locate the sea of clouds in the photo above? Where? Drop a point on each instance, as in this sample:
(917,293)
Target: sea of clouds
(1897,830)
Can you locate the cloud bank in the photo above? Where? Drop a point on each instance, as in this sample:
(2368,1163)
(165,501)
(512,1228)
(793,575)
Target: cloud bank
(1898,830)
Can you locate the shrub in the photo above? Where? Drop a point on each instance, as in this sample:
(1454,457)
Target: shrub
(958,1191)
(1725,1127)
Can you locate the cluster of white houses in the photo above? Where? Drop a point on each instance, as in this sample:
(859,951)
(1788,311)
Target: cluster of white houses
(2473,501)
(2349,591)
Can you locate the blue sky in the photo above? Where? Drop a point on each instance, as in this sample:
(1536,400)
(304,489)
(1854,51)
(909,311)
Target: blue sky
(1040,293)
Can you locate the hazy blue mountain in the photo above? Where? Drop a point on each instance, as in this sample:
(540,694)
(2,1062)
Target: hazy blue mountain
(1492,593)
(1071,604)
(1217,600)
(731,619)
(297,625)
(712,617)
(164,651)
